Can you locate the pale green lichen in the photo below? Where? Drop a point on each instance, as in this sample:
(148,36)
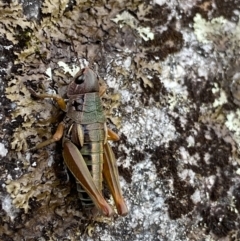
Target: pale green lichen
(222,99)
(225,35)
(204,30)
(31,185)
(145,33)
(126,18)
(12,16)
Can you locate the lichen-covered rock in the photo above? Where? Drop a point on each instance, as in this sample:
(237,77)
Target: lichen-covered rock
(171,68)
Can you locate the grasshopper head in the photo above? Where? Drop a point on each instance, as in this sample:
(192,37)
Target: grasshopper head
(85,81)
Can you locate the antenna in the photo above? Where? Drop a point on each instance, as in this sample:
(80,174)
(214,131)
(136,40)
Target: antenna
(76,55)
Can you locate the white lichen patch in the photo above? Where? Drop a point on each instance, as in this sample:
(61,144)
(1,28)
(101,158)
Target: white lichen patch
(174,85)
(221,100)
(190,140)
(188,175)
(125,18)
(148,205)
(222,97)
(72,70)
(49,73)
(153,128)
(186,158)
(196,196)
(145,33)
(127,63)
(210,180)
(238,171)
(160,2)
(233,124)
(8,207)
(3,150)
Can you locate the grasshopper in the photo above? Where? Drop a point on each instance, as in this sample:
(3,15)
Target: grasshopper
(85,136)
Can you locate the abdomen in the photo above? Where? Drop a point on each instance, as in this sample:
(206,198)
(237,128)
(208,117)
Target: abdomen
(92,152)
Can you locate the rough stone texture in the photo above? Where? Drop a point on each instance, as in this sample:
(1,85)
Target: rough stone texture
(172,72)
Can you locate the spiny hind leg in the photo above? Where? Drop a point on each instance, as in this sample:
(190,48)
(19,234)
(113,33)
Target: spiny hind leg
(110,173)
(77,165)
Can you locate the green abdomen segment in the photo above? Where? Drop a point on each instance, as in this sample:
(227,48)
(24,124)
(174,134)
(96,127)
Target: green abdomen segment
(86,109)
(92,153)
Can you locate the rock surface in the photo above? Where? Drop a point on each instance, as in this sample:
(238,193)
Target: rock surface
(172,72)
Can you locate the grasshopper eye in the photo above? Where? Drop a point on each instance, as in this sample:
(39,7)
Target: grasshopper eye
(79,80)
